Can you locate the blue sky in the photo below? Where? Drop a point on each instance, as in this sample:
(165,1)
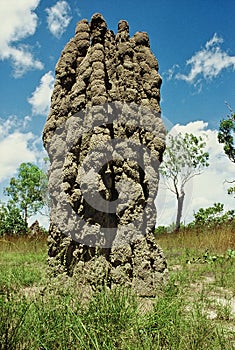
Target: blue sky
(194,43)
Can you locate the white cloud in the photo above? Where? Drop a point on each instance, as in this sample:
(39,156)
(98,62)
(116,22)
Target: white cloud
(12,123)
(17,146)
(203,190)
(213,41)
(14,149)
(18,21)
(58,18)
(40,99)
(170,74)
(207,63)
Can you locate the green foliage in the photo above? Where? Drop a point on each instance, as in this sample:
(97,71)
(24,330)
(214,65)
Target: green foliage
(38,313)
(184,158)
(11,221)
(25,190)
(213,216)
(226,136)
(161,230)
(231,190)
(209,258)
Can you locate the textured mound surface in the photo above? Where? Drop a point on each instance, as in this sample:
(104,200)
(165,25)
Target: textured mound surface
(105,140)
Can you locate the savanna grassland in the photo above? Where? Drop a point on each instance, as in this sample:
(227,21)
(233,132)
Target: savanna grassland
(195,311)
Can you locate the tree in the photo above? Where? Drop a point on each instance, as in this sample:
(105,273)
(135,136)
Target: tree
(226,136)
(26,190)
(184,158)
(11,221)
(44,187)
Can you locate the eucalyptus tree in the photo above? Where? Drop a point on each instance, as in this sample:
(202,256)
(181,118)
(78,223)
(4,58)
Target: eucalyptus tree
(184,158)
(26,190)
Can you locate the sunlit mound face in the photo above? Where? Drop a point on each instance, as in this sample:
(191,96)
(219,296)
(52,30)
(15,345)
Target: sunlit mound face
(107,169)
(104,134)
(105,139)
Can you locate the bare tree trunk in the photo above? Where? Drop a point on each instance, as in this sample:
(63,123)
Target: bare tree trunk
(180,201)
(26,216)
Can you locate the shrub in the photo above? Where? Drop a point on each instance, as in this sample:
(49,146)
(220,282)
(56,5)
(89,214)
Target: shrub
(11,221)
(213,216)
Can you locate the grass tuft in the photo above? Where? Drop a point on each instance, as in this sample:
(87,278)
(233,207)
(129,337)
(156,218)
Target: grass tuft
(195,311)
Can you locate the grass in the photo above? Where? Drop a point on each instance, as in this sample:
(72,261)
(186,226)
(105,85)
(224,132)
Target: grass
(23,263)
(215,239)
(40,314)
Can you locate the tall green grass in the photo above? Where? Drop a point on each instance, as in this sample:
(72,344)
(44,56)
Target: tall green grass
(39,313)
(218,238)
(110,320)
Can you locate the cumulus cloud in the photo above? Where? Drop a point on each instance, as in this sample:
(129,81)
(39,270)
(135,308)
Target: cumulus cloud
(207,63)
(14,149)
(58,18)
(203,190)
(18,21)
(40,99)
(16,146)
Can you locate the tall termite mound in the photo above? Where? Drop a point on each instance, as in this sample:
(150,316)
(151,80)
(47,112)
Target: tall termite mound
(105,139)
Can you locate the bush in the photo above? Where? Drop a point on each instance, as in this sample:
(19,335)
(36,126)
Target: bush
(11,221)
(161,230)
(212,216)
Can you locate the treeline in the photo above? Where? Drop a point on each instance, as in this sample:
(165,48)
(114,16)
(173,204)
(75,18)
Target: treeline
(185,157)
(204,218)
(26,192)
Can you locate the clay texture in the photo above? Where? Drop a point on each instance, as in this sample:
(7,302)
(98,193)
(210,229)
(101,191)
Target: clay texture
(105,139)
